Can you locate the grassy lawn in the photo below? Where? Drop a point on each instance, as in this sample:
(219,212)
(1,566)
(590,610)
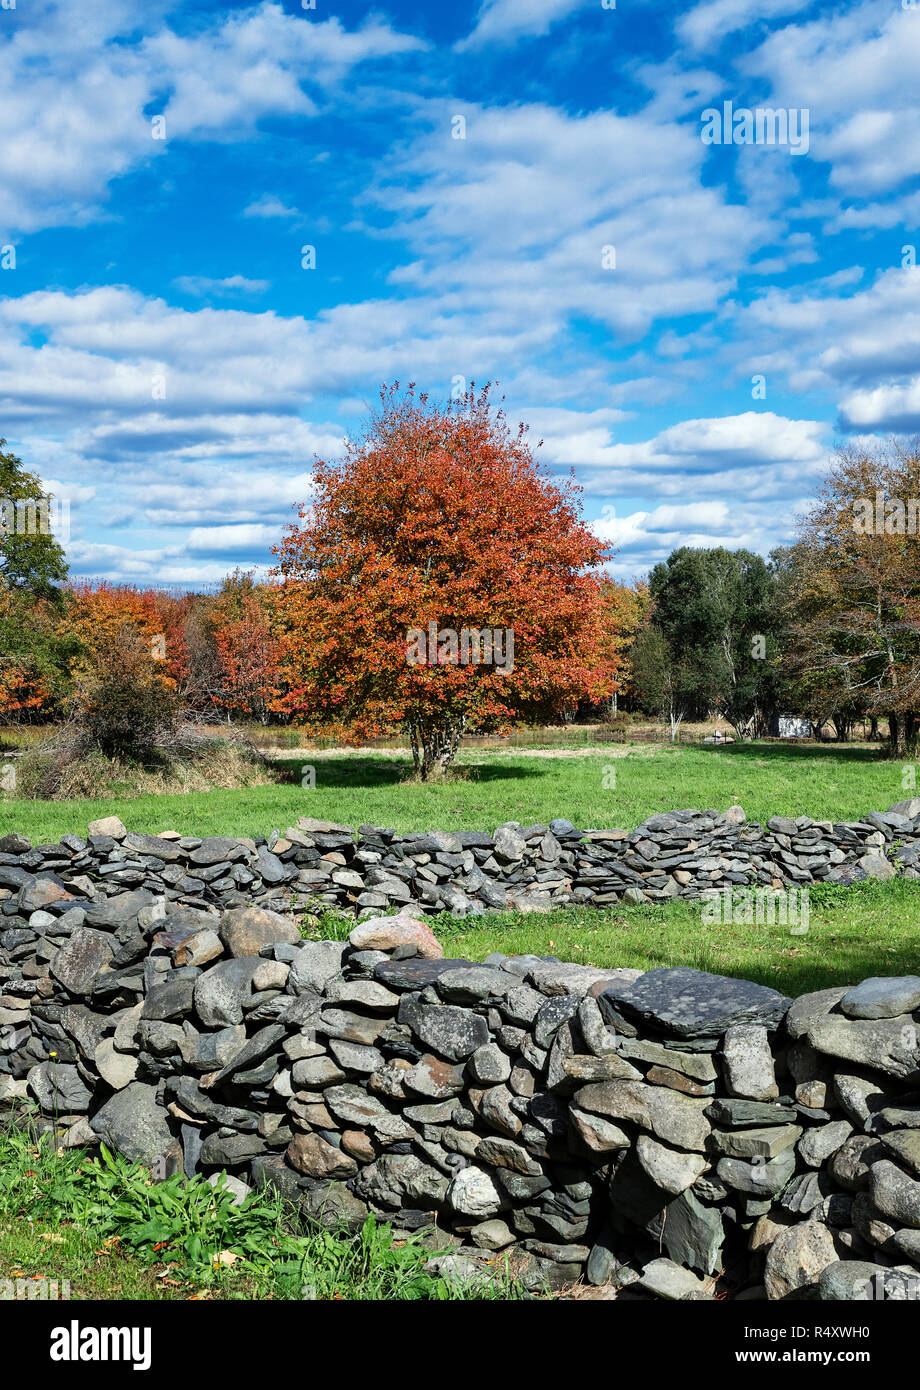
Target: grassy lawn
(600,788)
(869,929)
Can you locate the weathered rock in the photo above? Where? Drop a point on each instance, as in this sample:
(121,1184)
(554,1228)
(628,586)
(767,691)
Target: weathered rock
(669,1280)
(387,933)
(311,1155)
(882,997)
(80,959)
(245,930)
(452,1032)
(672,1117)
(797,1257)
(668,1168)
(473,1192)
(894,1194)
(136,1125)
(221,992)
(687,1003)
(749,1069)
(891,1045)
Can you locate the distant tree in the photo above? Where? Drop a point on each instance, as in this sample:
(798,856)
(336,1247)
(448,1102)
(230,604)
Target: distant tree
(248,651)
(438,520)
(31,558)
(716,611)
(628,607)
(664,681)
(853,606)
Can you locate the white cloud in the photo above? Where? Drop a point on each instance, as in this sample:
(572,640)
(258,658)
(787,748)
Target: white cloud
(76,94)
(505,21)
(202,285)
(268,205)
(706,24)
(856,70)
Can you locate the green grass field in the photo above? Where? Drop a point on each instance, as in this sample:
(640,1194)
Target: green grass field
(613,786)
(853,933)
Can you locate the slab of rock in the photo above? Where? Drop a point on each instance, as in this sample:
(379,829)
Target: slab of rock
(749,1066)
(693,1234)
(108,825)
(199,949)
(221,991)
(672,1117)
(58,1087)
(894,1194)
(134,1124)
(764,1178)
(886,1044)
(117,1069)
(473,1192)
(669,1280)
(698,1065)
(756,1143)
(808,1008)
(315,964)
(742,1114)
(668,1168)
(387,933)
(452,1032)
(904,1144)
(315,1158)
(80,959)
(817,1145)
(882,997)
(683,1003)
(860,1281)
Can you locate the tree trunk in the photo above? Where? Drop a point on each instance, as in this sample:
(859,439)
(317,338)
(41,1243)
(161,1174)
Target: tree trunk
(434,746)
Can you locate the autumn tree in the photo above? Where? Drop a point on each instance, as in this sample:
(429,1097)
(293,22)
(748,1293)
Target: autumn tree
(436,525)
(853,598)
(628,609)
(248,651)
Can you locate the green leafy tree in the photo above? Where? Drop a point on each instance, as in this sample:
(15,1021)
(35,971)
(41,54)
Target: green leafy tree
(30,556)
(717,614)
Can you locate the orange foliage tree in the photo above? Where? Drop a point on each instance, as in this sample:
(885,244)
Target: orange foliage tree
(435,541)
(248,651)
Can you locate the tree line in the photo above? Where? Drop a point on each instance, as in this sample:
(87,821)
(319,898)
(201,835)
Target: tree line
(438,519)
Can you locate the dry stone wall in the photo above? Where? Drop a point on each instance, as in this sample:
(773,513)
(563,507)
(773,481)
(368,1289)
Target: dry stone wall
(679,854)
(671,1134)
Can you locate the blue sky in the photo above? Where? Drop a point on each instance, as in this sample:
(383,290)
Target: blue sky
(171,369)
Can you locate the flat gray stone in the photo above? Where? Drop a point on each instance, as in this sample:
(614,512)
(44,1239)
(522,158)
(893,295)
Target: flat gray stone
(886,1044)
(882,997)
(452,1032)
(80,959)
(221,991)
(684,1003)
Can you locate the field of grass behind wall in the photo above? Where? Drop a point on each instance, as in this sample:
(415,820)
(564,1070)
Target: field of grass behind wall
(595,787)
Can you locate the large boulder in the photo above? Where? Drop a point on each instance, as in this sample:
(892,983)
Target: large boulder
(134,1124)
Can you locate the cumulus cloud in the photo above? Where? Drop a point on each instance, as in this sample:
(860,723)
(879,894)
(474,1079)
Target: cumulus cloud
(79,98)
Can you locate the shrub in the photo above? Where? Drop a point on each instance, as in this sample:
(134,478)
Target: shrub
(126,708)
